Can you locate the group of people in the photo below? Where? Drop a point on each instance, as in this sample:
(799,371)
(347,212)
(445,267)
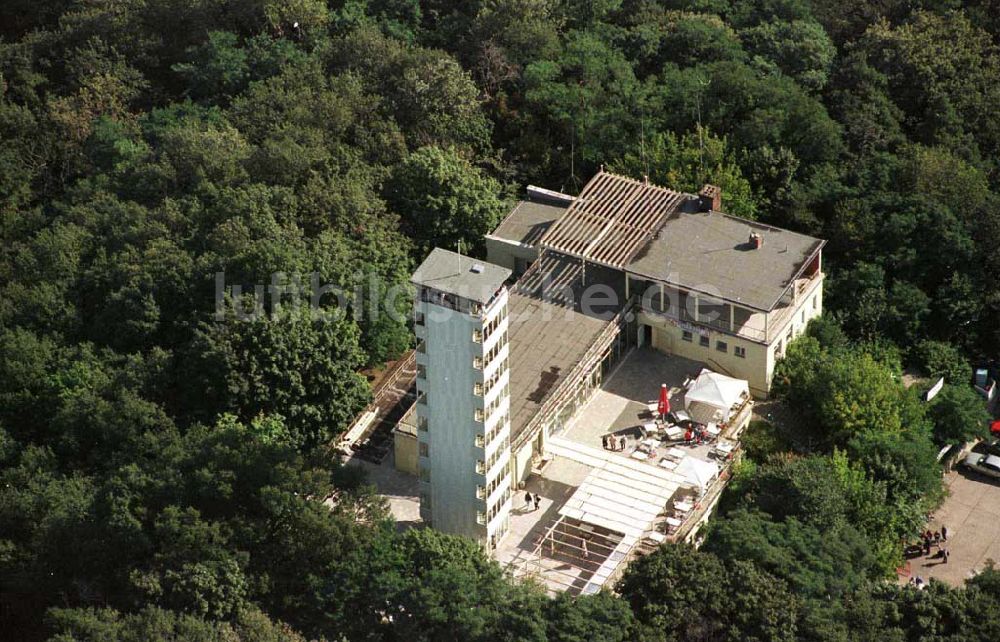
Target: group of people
(936,538)
(610,443)
(532,500)
(695,434)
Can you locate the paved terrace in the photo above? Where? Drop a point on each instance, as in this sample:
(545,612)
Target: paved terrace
(972,515)
(618,408)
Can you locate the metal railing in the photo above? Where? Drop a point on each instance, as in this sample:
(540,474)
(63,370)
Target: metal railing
(568,386)
(366,418)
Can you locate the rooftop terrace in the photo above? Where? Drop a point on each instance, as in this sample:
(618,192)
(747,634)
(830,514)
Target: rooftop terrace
(710,252)
(601,508)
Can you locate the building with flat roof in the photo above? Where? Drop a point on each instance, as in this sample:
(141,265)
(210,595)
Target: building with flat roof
(707,286)
(510,349)
(462,408)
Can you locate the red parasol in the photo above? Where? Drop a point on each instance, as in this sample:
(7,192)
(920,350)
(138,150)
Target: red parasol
(664,405)
(995,427)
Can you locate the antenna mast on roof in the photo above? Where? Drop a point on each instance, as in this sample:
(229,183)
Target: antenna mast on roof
(642,146)
(701,138)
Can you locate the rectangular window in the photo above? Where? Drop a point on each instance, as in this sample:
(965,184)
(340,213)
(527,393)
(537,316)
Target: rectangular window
(480,517)
(418,318)
(421,371)
(425,474)
(687,336)
(477,363)
(425,449)
(740,352)
(481,492)
(480,441)
(721,346)
(481,467)
(425,501)
(703,341)
(803,317)
(815,304)
(479,415)
(777,349)
(421,347)
(422,423)
(477,336)
(788,339)
(477,389)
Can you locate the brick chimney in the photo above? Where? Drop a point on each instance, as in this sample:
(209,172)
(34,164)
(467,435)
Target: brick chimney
(710,199)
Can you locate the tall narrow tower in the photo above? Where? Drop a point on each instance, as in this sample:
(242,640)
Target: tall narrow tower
(463,397)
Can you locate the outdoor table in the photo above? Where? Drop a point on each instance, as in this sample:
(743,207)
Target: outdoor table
(667,464)
(673,523)
(675,453)
(651,443)
(723,449)
(675,433)
(656,537)
(683,507)
(713,430)
(638,454)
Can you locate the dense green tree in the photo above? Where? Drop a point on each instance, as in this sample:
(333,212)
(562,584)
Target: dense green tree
(443,200)
(657,37)
(958,414)
(585,101)
(678,593)
(602,616)
(799,48)
(861,102)
(814,562)
(945,90)
(296,361)
(687,163)
(152,623)
(940,359)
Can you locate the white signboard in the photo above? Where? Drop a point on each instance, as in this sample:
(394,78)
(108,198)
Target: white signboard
(936,388)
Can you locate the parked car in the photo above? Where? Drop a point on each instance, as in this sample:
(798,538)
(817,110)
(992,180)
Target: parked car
(986,464)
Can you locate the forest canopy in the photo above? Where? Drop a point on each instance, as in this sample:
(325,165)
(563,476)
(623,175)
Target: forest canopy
(162,463)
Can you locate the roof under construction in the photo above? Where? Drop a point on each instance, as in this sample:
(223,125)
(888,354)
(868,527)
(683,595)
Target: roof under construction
(613,218)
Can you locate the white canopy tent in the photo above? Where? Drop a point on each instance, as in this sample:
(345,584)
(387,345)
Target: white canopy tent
(698,472)
(710,398)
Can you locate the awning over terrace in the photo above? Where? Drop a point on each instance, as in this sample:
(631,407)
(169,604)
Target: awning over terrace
(623,496)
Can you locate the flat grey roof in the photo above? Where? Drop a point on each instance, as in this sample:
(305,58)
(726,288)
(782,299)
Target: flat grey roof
(710,252)
(552,325)
(527,222)
(453,273)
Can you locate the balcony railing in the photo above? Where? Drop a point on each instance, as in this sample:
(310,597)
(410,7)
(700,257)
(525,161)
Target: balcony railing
(682,320)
